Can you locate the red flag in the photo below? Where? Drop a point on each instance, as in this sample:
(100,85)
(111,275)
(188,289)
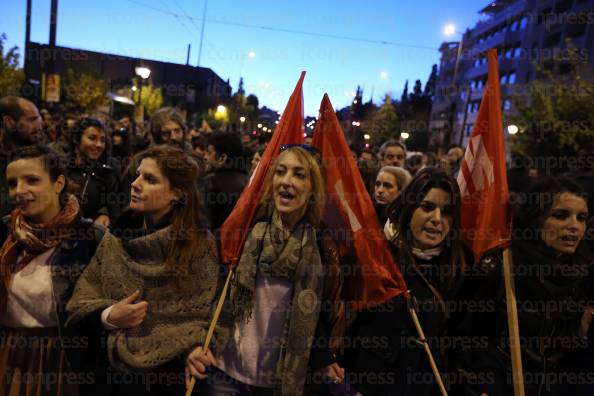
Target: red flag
(374,277)
(486,218)
(289,130)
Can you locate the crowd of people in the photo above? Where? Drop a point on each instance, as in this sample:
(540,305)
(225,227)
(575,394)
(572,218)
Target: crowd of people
(111,269)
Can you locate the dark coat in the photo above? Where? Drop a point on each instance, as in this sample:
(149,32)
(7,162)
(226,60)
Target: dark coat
(221,190)
(551,292)
(386,356)
(80,343)
(97,187)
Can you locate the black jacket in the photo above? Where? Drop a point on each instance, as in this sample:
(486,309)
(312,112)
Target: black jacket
(386,357)
(551,291)
(80,343)
(97,187)
(221,190)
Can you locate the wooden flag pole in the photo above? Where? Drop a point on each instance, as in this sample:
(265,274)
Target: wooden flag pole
(213,323)
(423,340)
(512,323)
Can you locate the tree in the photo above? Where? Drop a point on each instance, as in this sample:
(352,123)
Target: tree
(384,124)
(11,77)
(555,115)
(431,83)
(151,96)
(83,92)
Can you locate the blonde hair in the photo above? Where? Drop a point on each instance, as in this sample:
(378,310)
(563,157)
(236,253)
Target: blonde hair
(314,170)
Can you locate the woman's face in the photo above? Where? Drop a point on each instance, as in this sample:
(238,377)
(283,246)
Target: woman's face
(386,188)
(31,187)
(291,188)
(565,226)
(432,219)
(92,143)
(151,192)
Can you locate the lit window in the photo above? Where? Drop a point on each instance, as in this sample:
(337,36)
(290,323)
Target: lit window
(512,78)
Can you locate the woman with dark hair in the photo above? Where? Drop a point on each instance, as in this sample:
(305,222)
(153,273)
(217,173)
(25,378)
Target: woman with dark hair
(95,175)
(423,229)
(48,248)
(553,283)
(153,283)
(280,284)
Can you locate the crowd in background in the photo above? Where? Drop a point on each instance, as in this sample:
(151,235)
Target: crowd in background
(134,188)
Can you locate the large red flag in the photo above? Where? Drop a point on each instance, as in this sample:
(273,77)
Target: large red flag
(289,130)
(373,276)
(486,218)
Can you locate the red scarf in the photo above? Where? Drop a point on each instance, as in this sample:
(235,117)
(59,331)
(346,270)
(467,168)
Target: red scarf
(33,240)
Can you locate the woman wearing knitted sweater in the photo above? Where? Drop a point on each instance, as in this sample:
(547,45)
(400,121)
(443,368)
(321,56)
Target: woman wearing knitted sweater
(152,283)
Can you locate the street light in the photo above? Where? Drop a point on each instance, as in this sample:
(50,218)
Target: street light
(366,136)
(242,119)
(513,129)
(143,72)
(449,29)
(404,135)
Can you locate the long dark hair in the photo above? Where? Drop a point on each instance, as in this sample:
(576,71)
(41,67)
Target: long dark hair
(532,208)
(80,128)
(401,210)
(188,216)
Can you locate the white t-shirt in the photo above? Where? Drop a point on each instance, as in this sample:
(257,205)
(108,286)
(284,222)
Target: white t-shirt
(30,295)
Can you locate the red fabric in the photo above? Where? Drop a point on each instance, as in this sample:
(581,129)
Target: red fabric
(289,130)
(482,178)
(373,276)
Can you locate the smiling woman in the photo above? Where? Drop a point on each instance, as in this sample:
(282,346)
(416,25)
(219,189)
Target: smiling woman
(95,175)
(48,247)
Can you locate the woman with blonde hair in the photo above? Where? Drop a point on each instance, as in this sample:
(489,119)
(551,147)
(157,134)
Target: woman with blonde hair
(279,287)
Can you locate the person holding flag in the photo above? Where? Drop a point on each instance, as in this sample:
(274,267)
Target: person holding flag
(282,271)
(279,286)
(423,231)
(553,280)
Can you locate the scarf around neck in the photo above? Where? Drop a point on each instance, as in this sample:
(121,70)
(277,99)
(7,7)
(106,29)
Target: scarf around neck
(274,251)
(34,239)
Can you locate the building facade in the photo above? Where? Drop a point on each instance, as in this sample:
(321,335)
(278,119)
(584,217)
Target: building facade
(193,89)
(526,34)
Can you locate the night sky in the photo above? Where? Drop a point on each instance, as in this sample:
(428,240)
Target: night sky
(376,44)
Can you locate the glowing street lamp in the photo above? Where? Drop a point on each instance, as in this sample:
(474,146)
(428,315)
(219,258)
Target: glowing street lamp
(143,73)
(366,136)
(513,129)
(404,135)
(242,119)
(449,29)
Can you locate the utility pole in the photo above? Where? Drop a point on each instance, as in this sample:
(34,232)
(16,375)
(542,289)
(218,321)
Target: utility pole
(51,81)
(27,40)
(202,32)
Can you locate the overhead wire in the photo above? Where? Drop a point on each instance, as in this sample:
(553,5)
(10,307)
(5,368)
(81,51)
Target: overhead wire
(284,30)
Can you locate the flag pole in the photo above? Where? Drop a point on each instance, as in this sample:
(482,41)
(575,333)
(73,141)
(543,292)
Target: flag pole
(423,340)
(213,323)
(512,323)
